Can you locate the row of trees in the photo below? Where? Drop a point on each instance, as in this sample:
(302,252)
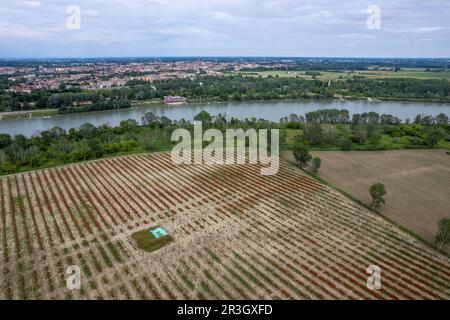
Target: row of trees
(333,128)
(369,136)
(342,116)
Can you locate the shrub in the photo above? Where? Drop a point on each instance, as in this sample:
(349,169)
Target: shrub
(8,168)
(316,163)
(301,155)
(345,144)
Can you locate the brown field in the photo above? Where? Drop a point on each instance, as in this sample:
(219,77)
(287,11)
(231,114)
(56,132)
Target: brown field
(236,234)
(417,183)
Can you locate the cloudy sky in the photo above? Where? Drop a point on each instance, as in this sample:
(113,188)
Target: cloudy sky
(115,28)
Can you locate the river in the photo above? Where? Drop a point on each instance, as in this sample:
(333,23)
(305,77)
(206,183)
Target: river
(270,110)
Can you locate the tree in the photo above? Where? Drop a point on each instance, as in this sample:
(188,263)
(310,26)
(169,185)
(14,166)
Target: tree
(94,149)
(32,155)
(301,155)
(128,125)
(377,191)
(148,140)
(165,122)
(442,119)
(361,134)
(443,234)
(434,136)
(204,117)
(313,133)
(149,118)
(330,135)
(345,144)
(6,102)
(80,153)
(2,157)
(87,130)
(316,163)
(5,140)
(20,139)
(374,138)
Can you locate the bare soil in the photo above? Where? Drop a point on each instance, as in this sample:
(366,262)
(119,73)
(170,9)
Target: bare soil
(236,235)
(417,183)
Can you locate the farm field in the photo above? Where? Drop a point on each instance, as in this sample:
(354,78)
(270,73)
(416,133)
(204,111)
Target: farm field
(236,235)
(417,183)
(330,75)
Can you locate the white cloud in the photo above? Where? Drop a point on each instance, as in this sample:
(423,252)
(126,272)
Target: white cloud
(356,36)
(417,30)
(233,27)
(188,31)
(428,29)
(223,16)
(16,31)
(33,3)
(91,13)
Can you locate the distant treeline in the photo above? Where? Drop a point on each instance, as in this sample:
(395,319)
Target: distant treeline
(235,88)
(96,106)
(367,64)
(315,63)
(238,88)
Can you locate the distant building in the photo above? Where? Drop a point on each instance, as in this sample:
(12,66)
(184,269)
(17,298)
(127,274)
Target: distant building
(81,103)
(174,100)
(22,88)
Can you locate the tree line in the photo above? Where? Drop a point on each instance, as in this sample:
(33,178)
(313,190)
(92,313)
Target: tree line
(58,146)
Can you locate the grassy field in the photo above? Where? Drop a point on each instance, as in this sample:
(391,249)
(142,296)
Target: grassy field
(236,235)
(417,183)
(328,75)
(147,242)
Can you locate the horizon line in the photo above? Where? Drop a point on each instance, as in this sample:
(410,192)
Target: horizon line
(218,56)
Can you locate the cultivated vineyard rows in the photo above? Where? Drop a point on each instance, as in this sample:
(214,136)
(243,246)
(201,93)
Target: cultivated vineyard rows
(237,234)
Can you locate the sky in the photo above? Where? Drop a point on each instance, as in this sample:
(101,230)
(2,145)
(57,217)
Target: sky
(291,28)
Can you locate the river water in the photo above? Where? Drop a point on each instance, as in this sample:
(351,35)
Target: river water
(270,110)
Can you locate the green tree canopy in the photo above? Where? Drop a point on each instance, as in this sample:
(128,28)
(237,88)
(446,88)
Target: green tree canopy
(301,155)
(443,234)
(204,117)
(316,163)
(377,191)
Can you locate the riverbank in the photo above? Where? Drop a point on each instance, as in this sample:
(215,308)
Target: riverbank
(44,113)
(28,114)
(268,110)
